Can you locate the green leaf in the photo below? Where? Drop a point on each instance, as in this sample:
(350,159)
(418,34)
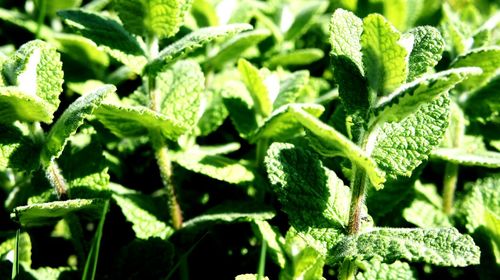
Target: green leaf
(180,88)
(249,277)
(438,246)
(17,149)
(464,156)
(291,88)
(161,18)
(71,119)
(375,269)
(428,47)
(329,142)
(234,47)
(487,59)
(426,210)
(193,41)
(240,105)
(231,213)
(215,166)
(456,33)
(146,216)
(403,13)
(255,84)
(46,273)
(15,104)
(410,97)
(385,54)
(296,57)
(214,112)
(401,147)
(480,197)
(24,248)
(484,104)
(274,241)
(284,123)
(492,223)
(108,34)
(303,21)
(39,214)
(317,206)
(345,37)
(130,121)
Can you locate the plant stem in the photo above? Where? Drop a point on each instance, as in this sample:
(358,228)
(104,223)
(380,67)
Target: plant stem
(261,150)
(56,179)
(358,188)
(262,260)
(42,10)
(165,165)
(449,186)
(347,270)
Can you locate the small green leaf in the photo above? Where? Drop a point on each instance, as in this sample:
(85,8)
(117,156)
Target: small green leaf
(240,105)
(291,88)
(193,41)
(486,58)
(334,143)
(130,121)
(214,113)
(17,105)
(231,213)
(402,146)
(426,210)
(303,262)
(108,34)
(305,19)
(345,37)
(439,246)
(428,47)
(180,88)
(145,215)
(385,54)
(375,269)
(215,166)
(456,33)
(17,149)
(465,157)
(234,47)
(283,123)
(410,97)
(256,86)
(71,120)
(40,214)
(296,57)
(274,241)
(161,18)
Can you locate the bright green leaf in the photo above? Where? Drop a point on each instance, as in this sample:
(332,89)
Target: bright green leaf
(214,113)
(17,105)
(385,54)
(249,277)
(305,19)
(274,241)
(403,13)
(463,156)
(426,210)
(487,59)
(71,119)
(296,57)
(291,88)
(375,269)
(345,37)
(428,47)
(255,84)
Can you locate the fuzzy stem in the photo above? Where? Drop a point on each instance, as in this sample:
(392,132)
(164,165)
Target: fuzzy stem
(347,270)
(449,186)
(165,165)
(56,179)
(358,188)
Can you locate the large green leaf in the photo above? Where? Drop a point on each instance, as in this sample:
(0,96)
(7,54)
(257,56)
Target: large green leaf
(385,54)
(71,119)
(375,269)
(39,214)
(161,18)
(428,47)
(108,34)
(439,246)
(410,97)
(180,88)
(403,13)
(283,122)
(193,41)
(486,58)
(345,37)
(129,121)
(401,146)
(255,84)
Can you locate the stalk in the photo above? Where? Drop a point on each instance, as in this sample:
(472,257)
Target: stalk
(449,186)
(42,11)
(56,179)
(358,189)
(159,145)
(261,149)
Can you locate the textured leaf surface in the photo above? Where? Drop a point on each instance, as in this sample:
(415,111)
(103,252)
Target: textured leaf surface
(255,84)
(291,88)
(181,87)
(144,214)
(486,58)
(215,166)
(108,34)
(465,157)
(161,18)
(296,57)
(428,47)
(410,97)
(231,213)
(315,199)
(192,42)
(234,47)
(345,37)
(71,120)
(401,147)
(128,121)
(330,142)
(283,122)
(17,105)
(375,269)
(439,246)
(385,57)
(40,214)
